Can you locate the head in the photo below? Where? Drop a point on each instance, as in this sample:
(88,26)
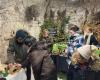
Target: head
(30,41)
(45,33)
(77,58)
(73,30)
(20,36)
(88,30)
(83,54)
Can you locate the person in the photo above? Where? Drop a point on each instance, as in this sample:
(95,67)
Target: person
(46,39)
(42,64)
(75,41)
(16,52)
(86,63)
(84,53)
(45,36)
(90,38)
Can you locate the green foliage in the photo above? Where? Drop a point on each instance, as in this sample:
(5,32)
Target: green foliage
(55,48)
(58,48)
(97,52)
(47,24)
(59,24)
(64,22)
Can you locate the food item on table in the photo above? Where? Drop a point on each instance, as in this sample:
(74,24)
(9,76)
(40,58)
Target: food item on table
(13,68)
(3,70)
(9,69)
(2,67)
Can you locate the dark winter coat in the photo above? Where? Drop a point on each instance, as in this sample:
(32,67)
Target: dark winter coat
(42,65)
(47,41)
(16,52)
(93,40)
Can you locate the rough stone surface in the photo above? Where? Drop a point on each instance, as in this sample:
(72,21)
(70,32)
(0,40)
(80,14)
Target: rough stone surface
(12,16)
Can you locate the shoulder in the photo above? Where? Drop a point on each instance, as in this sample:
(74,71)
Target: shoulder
(80,37)
(92,36)
(39,52)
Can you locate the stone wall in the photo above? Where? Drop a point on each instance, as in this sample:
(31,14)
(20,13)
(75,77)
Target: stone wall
(12,16)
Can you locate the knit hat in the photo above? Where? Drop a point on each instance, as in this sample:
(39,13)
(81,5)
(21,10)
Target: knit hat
(21,33)
(86,51)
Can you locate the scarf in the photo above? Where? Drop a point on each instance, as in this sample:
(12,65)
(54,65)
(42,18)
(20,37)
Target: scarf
(88,38)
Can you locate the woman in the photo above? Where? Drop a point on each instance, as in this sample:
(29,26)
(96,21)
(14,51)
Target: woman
(46,39)
(85,62)
(76,40)
(90,39)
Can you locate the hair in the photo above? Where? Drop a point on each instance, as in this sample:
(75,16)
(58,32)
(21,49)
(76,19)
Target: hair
(30,41)
(41,35)
(89,27)
(74,28)
(75,57)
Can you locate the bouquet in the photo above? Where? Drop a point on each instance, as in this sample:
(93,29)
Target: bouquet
(5,70)
(13,68)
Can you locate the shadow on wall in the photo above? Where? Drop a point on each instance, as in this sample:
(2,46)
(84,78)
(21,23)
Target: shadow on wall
(31,12)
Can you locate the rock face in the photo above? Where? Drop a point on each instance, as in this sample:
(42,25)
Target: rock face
(12,18)
(29,15)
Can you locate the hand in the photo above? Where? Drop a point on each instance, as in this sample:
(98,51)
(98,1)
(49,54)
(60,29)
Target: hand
(66,50)
(10,65)
(17,65)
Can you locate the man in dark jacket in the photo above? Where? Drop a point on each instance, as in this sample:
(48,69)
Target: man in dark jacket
(16,52)
(42,64)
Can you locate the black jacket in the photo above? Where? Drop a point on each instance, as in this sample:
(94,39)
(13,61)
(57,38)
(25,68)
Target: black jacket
(93,40)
